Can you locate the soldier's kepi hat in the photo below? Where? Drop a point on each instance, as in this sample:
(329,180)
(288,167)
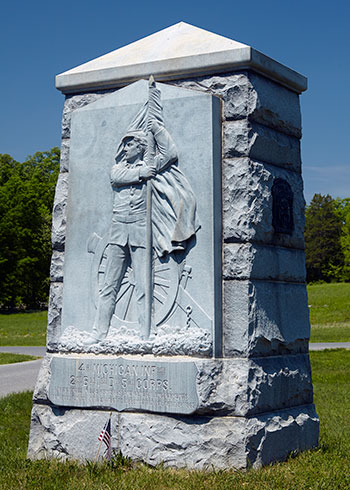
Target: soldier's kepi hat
(138,133)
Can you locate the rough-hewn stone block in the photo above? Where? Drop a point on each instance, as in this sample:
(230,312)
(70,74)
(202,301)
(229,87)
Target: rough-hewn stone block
(224,386)
(249,95)
(247,195)
(59,212)
(243,138)
(56,267)
(251,261)
(54,314)
(64,161)
(265,318)
(199,442)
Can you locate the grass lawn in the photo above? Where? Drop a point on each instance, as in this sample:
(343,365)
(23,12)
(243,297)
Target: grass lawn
(324,468)
(23,328)
(9,358)
(329,306)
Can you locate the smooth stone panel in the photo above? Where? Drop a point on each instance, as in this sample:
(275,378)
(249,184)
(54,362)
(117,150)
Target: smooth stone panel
(76,102)
(265,318)
(193,442)
(206,386)
(193,120)
(247,203)
(244,138)
(124,384)
(252,261)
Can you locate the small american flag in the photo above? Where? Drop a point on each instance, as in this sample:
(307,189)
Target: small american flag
(105,437)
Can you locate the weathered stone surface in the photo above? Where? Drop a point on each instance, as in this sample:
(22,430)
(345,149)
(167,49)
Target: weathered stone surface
(249,95)
(194,442)
(169,340)
(54,315)
(275,105)
(64,161)
(75,102)
(247,205)
(56,268)
(225,387)
(265,318)
(59,212)
(251,261)
(243,138)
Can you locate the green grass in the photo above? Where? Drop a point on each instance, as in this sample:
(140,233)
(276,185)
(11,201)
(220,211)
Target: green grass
(325,468)
(23,328)
(329,306)
(9,358)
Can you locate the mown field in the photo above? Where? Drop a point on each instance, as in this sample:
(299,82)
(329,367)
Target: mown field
(326,467)
(23,328)
(8,358)
(329,306)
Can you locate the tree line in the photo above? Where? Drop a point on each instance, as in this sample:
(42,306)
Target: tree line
(327,239)
(26,198)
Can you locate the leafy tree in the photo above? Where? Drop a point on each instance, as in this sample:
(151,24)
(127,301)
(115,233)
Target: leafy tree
(343,210)
(323,230)
(26,197)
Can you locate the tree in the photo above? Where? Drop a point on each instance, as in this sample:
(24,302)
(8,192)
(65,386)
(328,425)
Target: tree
(323,230)
(343,210)
(26,198)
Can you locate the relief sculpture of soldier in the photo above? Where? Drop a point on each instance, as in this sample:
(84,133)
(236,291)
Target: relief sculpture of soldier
(173,211)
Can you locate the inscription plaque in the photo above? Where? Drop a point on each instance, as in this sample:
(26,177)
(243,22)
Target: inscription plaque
(124,384)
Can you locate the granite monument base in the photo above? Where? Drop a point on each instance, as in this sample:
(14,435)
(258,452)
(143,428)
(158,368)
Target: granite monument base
(182,412)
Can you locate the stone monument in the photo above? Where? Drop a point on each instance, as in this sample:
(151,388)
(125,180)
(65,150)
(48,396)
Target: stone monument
(178,297)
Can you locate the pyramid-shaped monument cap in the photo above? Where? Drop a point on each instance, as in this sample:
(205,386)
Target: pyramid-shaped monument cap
(179,51)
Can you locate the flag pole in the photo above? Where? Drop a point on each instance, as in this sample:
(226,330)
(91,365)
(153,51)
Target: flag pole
(149,245)
(99,446)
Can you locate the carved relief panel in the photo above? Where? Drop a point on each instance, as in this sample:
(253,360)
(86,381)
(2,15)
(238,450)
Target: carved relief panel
(143,248)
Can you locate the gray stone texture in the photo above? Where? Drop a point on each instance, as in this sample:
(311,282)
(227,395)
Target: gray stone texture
(239,387)
(199,442)
(54,315)
(252,96)
(255,405)
(264,318)
(56,268)
(64,161)
(253,261)
(59,212)
(247,203)
(243,138)
(76,102)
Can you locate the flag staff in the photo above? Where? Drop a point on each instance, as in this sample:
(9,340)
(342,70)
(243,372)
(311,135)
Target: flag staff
(149,245)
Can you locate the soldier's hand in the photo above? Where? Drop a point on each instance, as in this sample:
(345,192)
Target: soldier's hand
(147,172)
(153,125)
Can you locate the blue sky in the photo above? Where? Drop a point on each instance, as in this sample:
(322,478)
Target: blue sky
(40,39)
